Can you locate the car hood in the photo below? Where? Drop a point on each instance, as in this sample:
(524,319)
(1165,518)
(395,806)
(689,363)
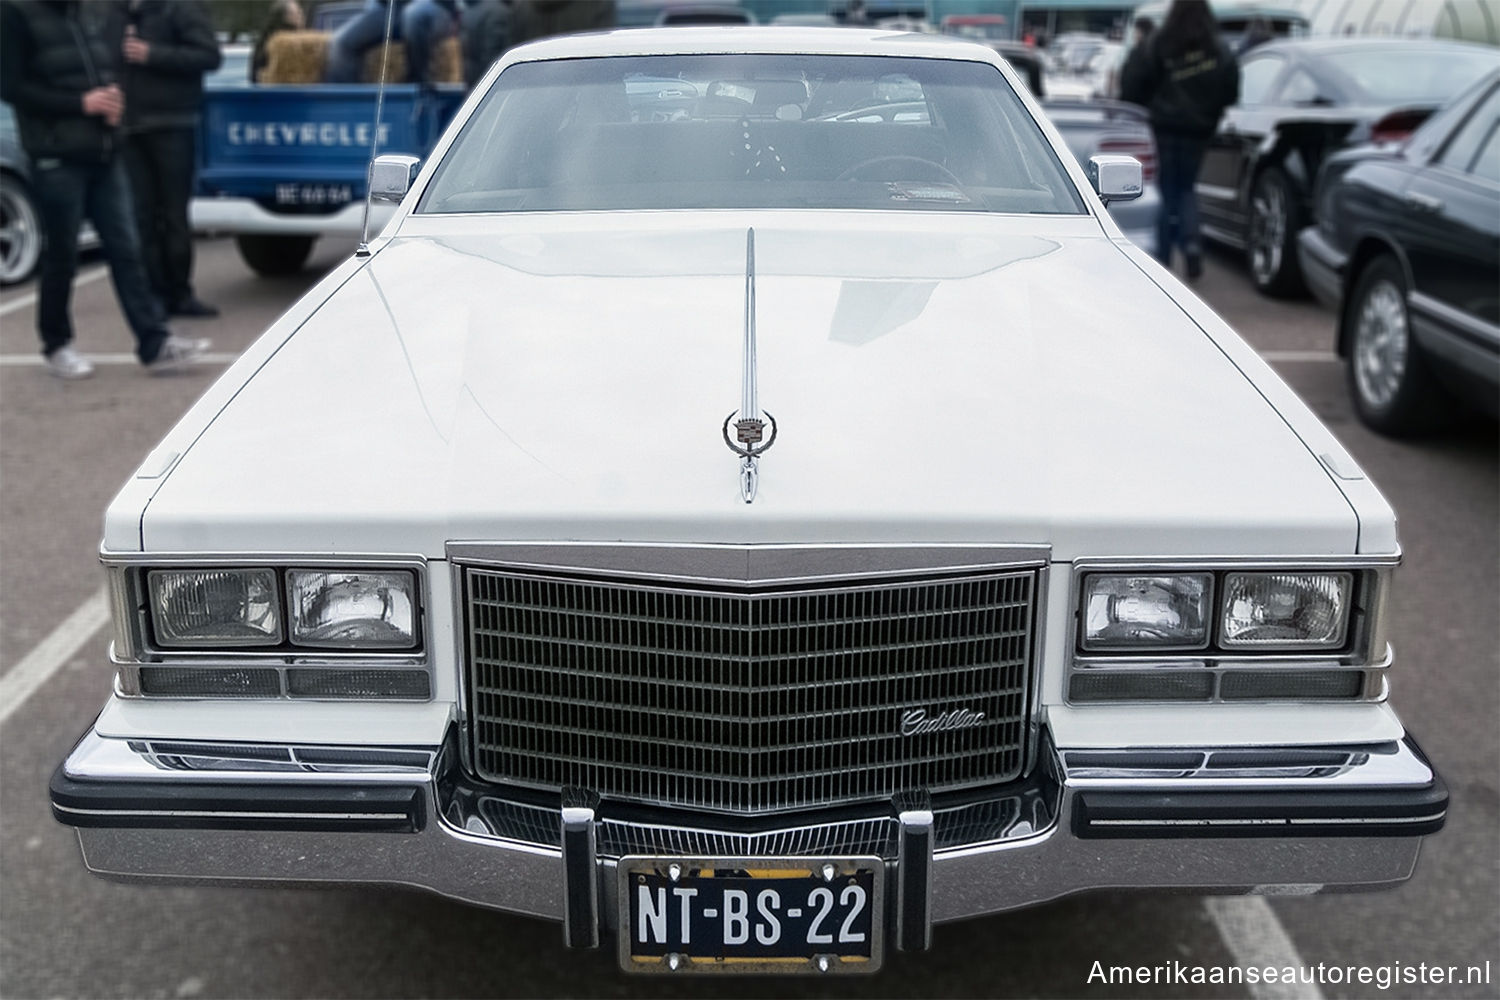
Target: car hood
(931,378)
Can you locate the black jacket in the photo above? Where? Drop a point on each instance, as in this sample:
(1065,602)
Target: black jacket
(51,52)
(1185,93)
(166,91)
(486,36)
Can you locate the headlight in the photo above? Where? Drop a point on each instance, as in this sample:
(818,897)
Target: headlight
(215,607)
(1301,610)
(352,609)
(1147,612)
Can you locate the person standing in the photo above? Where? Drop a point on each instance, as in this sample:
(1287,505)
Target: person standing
(486,36)
(1185,79)
(285,15)
(426,24)
(59,69)
(1139,45)
(419,24)
(168,46)
(533,19)
(359,34)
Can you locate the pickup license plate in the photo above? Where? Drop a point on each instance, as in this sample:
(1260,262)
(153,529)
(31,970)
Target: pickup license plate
(314,194)
(754,915)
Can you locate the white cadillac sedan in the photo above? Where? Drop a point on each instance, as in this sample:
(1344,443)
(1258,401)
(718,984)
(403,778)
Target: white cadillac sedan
(751,505)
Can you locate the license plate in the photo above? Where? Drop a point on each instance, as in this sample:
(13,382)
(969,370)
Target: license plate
(759,915)
(314,194)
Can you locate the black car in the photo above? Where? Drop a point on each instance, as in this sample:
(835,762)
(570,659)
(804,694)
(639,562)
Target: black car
(20,227)
(1301,100)
(1407,248)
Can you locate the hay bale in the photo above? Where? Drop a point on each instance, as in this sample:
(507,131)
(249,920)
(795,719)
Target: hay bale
(296,57)
(447,63)
(395,66)
(302,56)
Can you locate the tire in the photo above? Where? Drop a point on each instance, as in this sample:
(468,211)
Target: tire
(1271,238)
(1392,386)
(273,256)
(20,231)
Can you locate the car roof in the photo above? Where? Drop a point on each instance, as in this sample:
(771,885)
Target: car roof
(1331,46)
(766,39)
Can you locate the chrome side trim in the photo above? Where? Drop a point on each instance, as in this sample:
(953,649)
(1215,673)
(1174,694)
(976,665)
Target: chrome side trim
(1385,765)
(1474,329)
(225,814)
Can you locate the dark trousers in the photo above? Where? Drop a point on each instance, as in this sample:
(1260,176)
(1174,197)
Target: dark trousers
(66,194)
(161,166)
(1178,158)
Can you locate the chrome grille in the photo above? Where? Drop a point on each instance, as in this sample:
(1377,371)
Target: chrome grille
(741,700)
(665,835)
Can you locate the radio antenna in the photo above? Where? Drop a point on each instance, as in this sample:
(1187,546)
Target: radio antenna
(363,250)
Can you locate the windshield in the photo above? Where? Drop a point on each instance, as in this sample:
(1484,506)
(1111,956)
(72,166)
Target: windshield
(1413,76)
(751,131)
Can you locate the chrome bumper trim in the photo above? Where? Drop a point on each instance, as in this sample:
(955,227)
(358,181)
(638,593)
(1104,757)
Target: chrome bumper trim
(1388,793)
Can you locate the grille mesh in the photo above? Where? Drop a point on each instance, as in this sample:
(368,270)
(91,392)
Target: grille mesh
(746,701)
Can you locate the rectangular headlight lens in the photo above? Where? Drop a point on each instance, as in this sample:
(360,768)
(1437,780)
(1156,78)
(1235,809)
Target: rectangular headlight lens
(1146,612)
(352,609)
(1297,610)
(215,607)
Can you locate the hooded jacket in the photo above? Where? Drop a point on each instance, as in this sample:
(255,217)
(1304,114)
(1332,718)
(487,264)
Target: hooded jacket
(1186,92)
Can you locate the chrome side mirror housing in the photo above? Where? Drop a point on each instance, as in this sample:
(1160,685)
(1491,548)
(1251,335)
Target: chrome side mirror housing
(1114,177)
(392,174)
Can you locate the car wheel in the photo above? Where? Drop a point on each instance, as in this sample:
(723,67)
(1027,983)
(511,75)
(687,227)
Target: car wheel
(1394,391)
(270,256)
(1275,218)
(20,231)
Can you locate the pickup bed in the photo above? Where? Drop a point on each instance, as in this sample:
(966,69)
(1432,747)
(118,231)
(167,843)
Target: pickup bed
(281,165)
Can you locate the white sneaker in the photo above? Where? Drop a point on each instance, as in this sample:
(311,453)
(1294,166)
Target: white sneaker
(67,363)
(177,353)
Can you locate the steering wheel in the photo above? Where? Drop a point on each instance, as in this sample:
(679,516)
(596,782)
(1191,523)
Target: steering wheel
(934,167)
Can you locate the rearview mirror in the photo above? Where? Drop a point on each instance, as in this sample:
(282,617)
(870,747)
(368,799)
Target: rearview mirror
(1115,177)
(391,176)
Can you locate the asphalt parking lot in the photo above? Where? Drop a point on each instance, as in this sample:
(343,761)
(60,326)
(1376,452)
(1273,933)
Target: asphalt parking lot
(66,447)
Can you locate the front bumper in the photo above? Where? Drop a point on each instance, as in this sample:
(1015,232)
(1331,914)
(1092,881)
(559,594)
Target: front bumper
(1322,267)
(245,215)
(1273,820)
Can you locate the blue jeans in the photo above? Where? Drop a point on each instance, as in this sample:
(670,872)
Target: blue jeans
(419,24)
(66,194)
(1178,158)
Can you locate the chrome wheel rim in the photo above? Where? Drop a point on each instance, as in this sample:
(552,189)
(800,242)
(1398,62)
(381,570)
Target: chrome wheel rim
(20,236)
(1267,230)
(1380,344)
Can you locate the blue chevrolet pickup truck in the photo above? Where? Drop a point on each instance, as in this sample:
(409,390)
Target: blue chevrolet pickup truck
(281,165)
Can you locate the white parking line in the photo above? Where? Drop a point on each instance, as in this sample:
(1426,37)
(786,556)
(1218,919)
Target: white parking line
(1255,937)
(1298,356)
(22,680)
(36,360)
(22,301)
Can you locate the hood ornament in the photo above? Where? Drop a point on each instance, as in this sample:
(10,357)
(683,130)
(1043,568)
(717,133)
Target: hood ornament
(749,429)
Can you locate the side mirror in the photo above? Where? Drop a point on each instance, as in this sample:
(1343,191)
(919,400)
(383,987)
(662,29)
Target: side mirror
(391,176)
(1114,177)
